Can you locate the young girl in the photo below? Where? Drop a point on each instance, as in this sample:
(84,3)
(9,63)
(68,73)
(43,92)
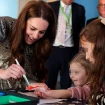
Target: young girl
(80,69)
(92,39)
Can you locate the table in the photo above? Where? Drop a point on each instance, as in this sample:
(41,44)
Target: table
(14,98)
(38,101)
(68,102)
(58,101)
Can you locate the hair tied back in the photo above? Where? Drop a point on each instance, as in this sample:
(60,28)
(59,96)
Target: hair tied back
(103,21)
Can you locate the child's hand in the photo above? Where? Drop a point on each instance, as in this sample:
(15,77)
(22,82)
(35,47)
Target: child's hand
(40,94)
(41,91)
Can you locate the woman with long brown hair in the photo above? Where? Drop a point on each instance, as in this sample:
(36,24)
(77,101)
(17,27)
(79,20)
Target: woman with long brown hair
(30,43)
(92,39)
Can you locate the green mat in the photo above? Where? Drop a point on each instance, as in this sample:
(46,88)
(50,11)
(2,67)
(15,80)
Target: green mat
(11,99)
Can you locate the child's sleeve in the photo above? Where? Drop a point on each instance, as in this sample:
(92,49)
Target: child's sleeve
(80,92)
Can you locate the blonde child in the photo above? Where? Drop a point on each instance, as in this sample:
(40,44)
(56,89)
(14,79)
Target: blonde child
(80,70)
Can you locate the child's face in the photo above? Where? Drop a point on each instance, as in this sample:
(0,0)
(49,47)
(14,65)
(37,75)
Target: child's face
(78,74)
(88,49)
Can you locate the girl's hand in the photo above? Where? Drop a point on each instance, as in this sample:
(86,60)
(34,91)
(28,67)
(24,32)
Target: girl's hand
(14,71)
(40,94)
(41,91)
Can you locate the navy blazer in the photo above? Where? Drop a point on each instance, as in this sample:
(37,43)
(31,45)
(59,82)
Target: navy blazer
(78,20)
(90,20)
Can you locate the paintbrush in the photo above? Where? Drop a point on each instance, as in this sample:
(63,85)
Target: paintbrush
(24,76)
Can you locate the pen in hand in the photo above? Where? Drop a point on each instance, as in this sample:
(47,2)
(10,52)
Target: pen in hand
(24,76)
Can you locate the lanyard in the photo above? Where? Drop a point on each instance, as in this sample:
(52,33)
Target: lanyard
(65,16)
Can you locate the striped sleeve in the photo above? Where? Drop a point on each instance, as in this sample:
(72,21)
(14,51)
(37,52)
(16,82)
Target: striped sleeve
(80,92)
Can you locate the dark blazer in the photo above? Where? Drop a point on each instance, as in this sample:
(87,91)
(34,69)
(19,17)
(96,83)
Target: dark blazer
(78,20)
(90,20)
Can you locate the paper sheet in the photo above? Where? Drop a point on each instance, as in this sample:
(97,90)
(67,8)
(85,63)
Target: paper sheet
(46,101)
(28,94)
(43,101)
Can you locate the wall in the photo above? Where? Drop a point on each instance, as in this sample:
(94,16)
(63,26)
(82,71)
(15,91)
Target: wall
(21,4)
(90,7)
(9,8)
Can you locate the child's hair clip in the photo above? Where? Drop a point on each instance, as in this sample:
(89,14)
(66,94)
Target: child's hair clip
(103,21)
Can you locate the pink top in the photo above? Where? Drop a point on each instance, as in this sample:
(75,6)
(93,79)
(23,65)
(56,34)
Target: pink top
(80,92)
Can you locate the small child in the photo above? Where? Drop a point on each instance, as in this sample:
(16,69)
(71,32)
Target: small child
(80,70)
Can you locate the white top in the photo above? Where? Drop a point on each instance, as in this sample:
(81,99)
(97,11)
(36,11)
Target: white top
(100,17)
(62,29)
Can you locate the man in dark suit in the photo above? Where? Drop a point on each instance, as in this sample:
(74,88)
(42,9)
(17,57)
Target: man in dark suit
(70,21)
(101,11)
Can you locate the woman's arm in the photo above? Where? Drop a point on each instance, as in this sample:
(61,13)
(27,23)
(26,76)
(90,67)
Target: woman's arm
(6,26)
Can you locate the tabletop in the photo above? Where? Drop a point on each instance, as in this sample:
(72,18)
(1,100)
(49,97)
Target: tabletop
(68,102)
(58,101)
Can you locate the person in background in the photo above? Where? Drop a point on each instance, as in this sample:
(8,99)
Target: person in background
(30,43)
(80,70)
(101,11)
(92,40)
(70,21)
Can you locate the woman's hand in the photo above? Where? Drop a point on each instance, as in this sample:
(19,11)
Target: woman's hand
(33,86)
(14,71)
(38,84)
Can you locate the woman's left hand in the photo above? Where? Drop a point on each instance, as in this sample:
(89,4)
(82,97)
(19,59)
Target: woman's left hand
(33,86)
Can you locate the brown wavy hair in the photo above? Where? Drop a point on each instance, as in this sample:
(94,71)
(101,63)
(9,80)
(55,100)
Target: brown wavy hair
(94,33)
(42,47)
